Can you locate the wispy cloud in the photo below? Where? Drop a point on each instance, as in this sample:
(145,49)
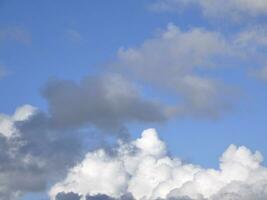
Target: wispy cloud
(260,74)
(3,71)
(74,36)
(234,10)
(18,34)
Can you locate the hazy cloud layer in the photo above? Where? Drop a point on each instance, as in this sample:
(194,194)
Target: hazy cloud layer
(261,74)
(17,34)
(234,9)
(74,36)
(143,169)
(3,71)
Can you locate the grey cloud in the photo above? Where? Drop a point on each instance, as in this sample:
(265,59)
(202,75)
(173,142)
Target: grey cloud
(99,197)
(175,195)
(176,60)
(127,196)
(107,103)
(38,155)
(233,191)
(68,196)
(180,198)
(241,191)
(74,196)
(45,145)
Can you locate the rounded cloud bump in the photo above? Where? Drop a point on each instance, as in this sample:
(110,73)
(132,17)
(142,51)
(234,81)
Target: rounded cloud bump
(143,169)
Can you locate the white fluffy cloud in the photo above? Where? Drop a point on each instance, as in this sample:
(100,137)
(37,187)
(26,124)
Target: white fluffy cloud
(235,9)
(144,169)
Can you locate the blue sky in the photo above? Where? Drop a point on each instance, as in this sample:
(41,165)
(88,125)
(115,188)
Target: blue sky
(42,41)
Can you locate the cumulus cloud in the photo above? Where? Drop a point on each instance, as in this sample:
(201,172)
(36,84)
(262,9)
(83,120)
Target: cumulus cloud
(37,147)
(143,169)
(175,60)
(106,102)
(234,9)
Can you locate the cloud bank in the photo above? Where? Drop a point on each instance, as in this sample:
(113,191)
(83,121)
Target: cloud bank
(142,169)
(41,146)
(36,148)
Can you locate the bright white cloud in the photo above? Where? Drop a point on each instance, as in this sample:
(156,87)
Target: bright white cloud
(7,127)
(144,169)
